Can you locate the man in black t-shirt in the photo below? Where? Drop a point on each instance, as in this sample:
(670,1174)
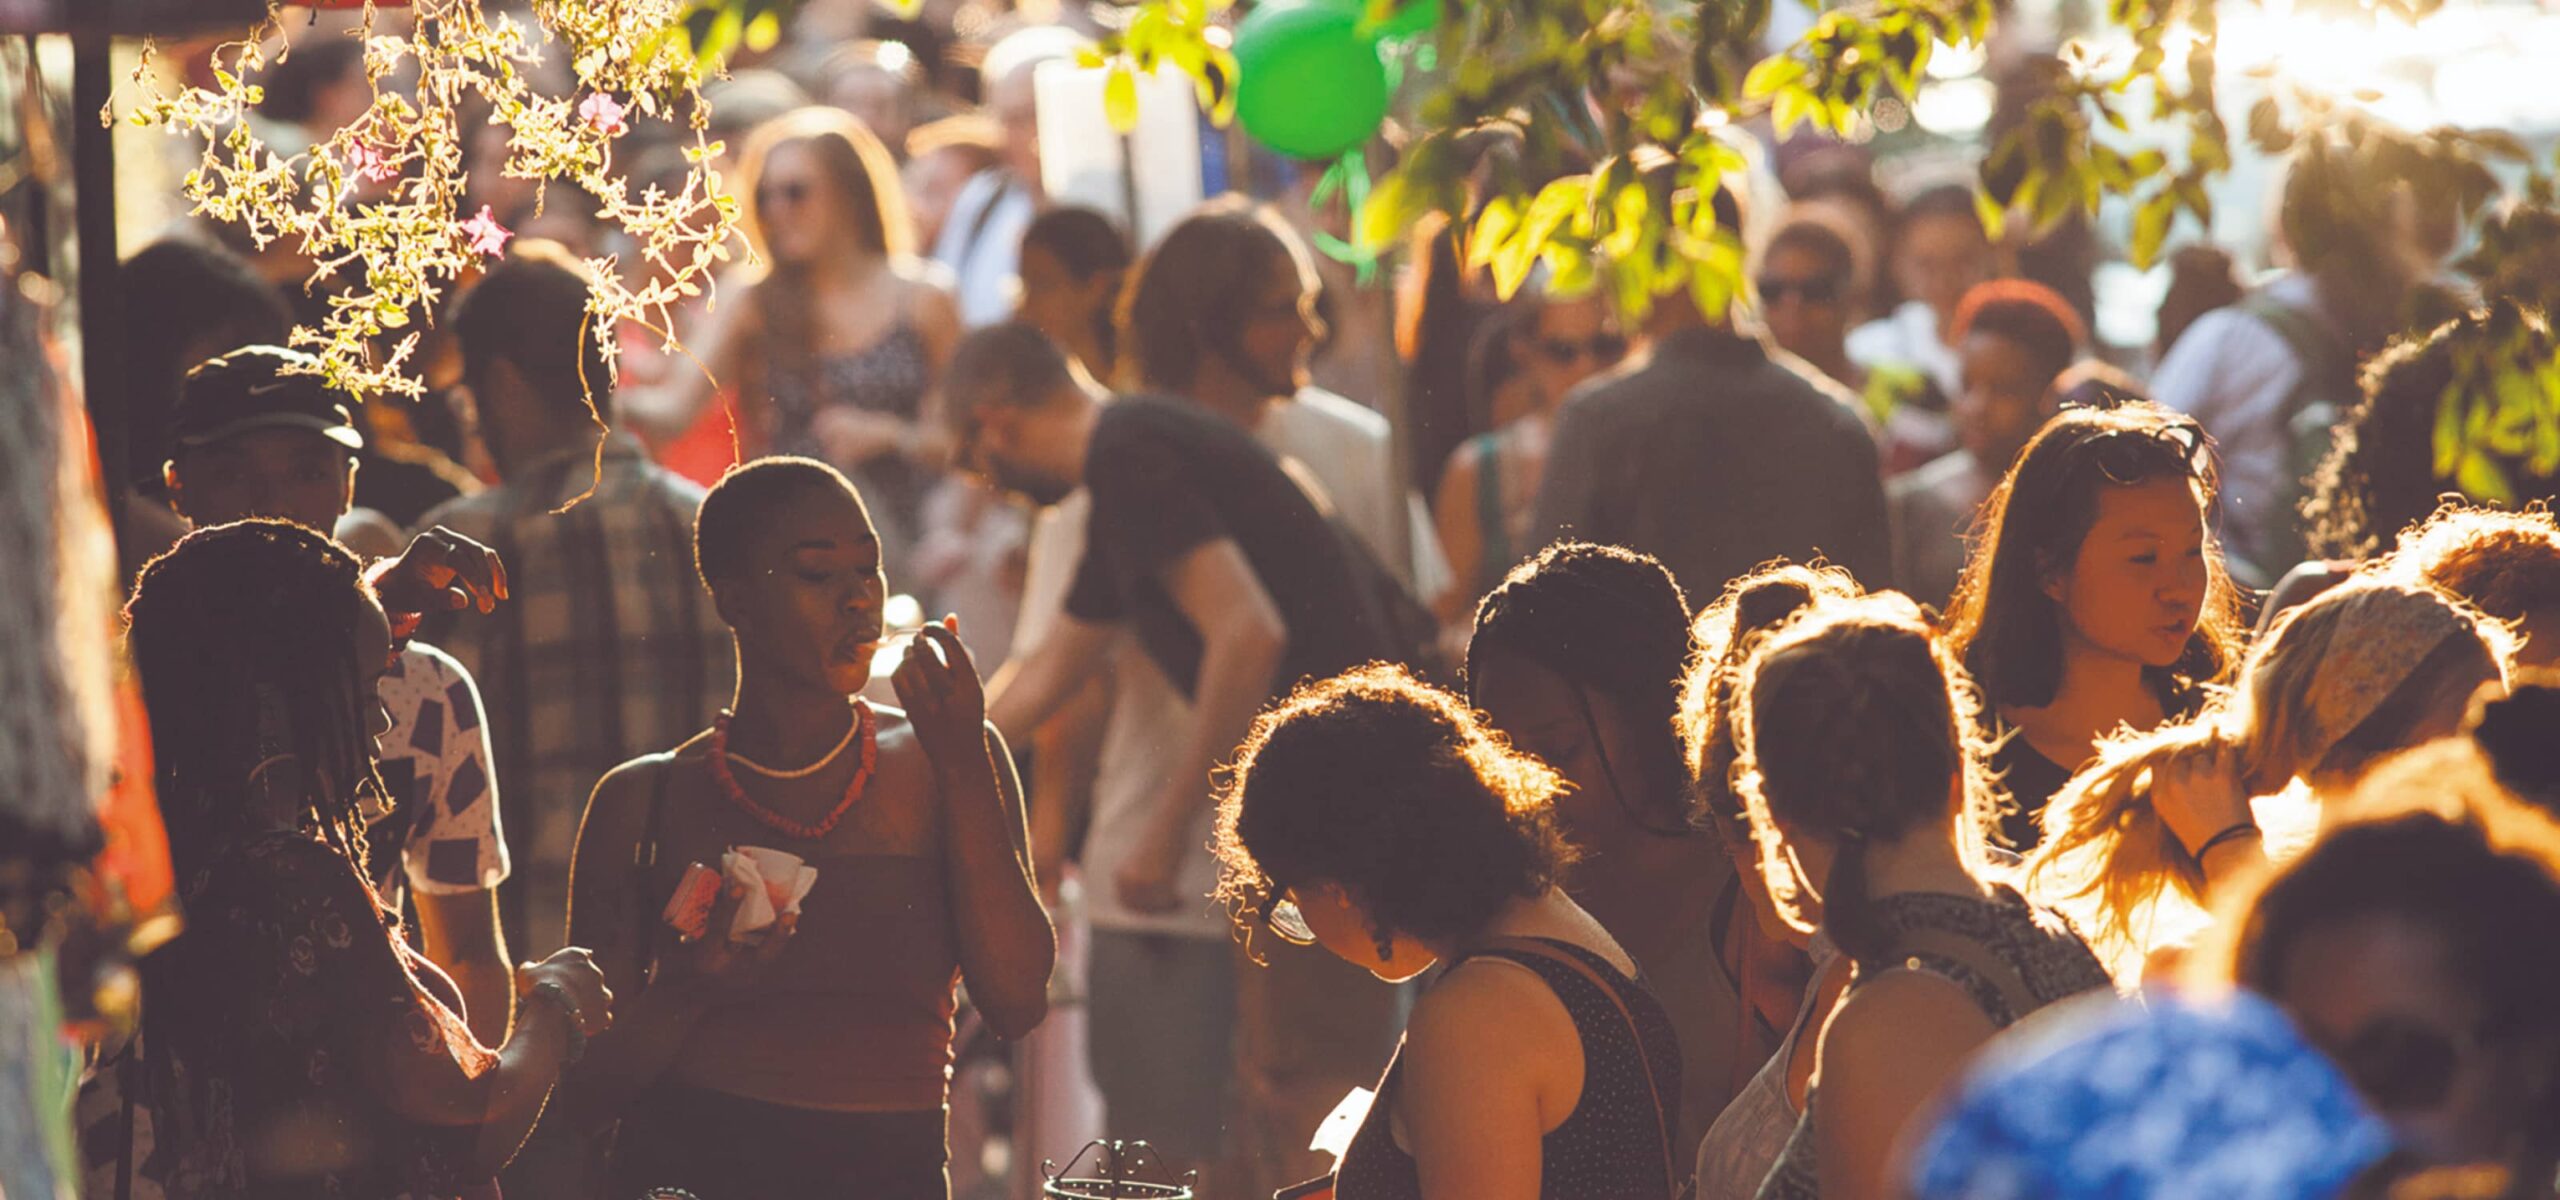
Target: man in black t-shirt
(1200,543)
(1236,583)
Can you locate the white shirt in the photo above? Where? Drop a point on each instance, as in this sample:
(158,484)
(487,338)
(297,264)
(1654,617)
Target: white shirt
(1909,338)
(982,244)
(2234,374)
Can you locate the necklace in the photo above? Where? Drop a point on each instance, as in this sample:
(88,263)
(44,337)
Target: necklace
(720,760)
(850,729)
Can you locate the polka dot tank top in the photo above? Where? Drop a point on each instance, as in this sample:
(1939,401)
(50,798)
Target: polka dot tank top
(1611,1147)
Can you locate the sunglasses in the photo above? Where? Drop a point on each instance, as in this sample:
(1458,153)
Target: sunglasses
(2403,1065)
(786,194)
(1603,348)
(2131,456)
(1811,291)
(1281,916)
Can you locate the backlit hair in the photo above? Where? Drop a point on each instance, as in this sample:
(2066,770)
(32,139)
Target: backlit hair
(2337,683)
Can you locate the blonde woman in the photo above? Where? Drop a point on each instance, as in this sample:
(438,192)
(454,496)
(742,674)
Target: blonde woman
(2133,842)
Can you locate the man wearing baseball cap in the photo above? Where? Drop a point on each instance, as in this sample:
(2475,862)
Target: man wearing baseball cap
(259,432)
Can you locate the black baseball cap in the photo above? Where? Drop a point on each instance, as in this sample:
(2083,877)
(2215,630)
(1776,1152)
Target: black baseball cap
(261,387)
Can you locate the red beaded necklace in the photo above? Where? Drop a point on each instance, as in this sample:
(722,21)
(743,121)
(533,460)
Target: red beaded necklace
(776,821)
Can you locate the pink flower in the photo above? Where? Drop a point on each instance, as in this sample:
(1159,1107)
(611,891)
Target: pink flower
(371,163)
(605,113)
(487,236)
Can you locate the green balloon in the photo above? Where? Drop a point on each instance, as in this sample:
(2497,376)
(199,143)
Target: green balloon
(1307,83)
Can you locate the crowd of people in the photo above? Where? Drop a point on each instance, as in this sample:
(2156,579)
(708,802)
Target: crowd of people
(1866,742)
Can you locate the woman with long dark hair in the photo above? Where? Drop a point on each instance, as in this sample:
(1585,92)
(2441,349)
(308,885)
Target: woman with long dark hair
(1861,767)
(1577,659)
(293,1044)
(805,1050)
(2095,599)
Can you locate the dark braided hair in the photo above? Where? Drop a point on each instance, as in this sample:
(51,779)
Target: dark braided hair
(236,621)
(1608,619)
(1853,723)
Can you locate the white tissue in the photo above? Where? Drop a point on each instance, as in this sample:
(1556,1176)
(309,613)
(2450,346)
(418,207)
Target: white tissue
(775,882)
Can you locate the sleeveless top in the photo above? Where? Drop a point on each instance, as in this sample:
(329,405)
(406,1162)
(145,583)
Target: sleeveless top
(890,377)
(886,979)
(1611,1148)
(2009,956)
(1745,1140)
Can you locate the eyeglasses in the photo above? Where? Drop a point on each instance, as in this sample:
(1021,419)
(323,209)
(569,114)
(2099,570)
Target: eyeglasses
(1604,349)
(1812,291)
(1280,915)
(2131,456)
(783,195)
(2401,1064)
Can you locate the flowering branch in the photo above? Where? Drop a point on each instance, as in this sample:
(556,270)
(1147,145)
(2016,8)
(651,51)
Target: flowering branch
(378,205)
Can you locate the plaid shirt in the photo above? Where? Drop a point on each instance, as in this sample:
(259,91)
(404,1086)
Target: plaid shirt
(608,647)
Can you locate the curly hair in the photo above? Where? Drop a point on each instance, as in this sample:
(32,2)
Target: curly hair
(2381,472)
(2434,837)
(233,622)
(1396,791)
(1721,639)
(2105,847)
(1605,618)
(2506,564)
(1853,722)
(2002,624)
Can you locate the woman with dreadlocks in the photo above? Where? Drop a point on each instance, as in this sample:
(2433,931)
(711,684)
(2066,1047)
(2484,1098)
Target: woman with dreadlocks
(1577,658)
(293,1044)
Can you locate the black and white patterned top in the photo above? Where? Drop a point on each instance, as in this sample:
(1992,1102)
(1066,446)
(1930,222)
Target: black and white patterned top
(442,834)
(1611,1147)
(2011,957)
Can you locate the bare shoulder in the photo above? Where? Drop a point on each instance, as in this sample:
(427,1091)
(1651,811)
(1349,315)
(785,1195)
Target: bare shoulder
(1899,1019)
(622,797)
(1484,999)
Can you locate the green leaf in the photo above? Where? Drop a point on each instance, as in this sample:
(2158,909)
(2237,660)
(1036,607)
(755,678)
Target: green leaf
(1120,97)
(2482,479)
(1495,225)
(765,32)
(2151,227)
(1773,73)
(1995,220)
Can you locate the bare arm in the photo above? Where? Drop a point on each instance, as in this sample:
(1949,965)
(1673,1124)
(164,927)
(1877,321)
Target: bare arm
(1066,753)
(1892,1046)
(668,408)
(1007,947)
(1243,641)
(459,932)
(1029,690)
(1473,1119)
